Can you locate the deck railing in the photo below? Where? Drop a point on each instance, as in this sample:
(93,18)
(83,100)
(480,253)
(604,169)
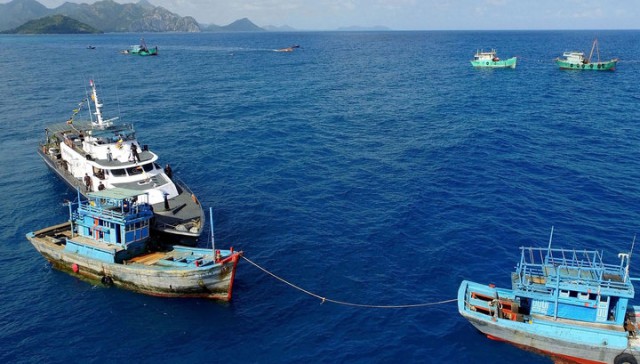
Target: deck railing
(566,267)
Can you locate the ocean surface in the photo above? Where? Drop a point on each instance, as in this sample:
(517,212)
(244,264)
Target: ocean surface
(373,168)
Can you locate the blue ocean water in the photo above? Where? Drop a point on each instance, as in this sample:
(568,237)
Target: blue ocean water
(374,168)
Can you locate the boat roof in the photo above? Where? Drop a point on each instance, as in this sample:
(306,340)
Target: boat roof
(115,193)
(573,53)
(545,269)
(483,52)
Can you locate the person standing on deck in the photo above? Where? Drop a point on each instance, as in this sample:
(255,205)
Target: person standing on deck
(87,182)
(168,171)
(134,152)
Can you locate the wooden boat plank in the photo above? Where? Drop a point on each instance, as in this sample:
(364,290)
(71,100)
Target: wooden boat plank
(148,259)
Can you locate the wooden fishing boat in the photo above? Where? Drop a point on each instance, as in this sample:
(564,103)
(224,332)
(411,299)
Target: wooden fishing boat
(107,240)
(566,303)
(575,60)
(490,59)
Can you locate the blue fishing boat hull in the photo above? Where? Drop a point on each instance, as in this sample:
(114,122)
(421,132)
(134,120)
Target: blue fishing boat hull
(493,312)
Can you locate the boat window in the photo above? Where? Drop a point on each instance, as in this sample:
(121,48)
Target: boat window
(148,167)
(134,170)
(118,172)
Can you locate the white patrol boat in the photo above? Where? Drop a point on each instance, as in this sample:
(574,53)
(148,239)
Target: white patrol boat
(102,154)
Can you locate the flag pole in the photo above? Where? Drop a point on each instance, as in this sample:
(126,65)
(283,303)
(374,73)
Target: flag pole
(213,242)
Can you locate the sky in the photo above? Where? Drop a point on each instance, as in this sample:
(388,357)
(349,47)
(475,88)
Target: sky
(407,14)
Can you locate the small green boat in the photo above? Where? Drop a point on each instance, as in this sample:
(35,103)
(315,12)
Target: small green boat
(490,60)
(141,50)
(576,61)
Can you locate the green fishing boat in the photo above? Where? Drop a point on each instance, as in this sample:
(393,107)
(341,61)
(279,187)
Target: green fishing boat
(576,61)
(141,49)
(490,60)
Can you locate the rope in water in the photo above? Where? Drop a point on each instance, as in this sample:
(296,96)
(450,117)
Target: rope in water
(325,299)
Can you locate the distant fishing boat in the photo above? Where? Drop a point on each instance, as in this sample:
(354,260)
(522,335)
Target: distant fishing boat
(107,240)
(566,303)
(575,60)
(141,49)
(490,59)
(288,49)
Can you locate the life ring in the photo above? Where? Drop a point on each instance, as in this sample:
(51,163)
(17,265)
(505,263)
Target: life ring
(625,358)
(583,66)
(599,65)
(107,281)
(591,66)
(487,63)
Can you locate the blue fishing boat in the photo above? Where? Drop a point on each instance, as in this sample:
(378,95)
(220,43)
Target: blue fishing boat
(566,303)
(107,240)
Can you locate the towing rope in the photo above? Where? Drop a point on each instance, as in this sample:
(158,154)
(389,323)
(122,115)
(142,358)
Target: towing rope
(325,299)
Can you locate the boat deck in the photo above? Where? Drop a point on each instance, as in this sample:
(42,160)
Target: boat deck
(150,182)
(179,258)
(148,259)
(73,132)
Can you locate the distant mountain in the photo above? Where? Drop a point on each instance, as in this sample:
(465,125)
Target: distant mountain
(54,24)
(283,28)
(110,16)
(106,15)
(210,27)
(240,25)
(18,12)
